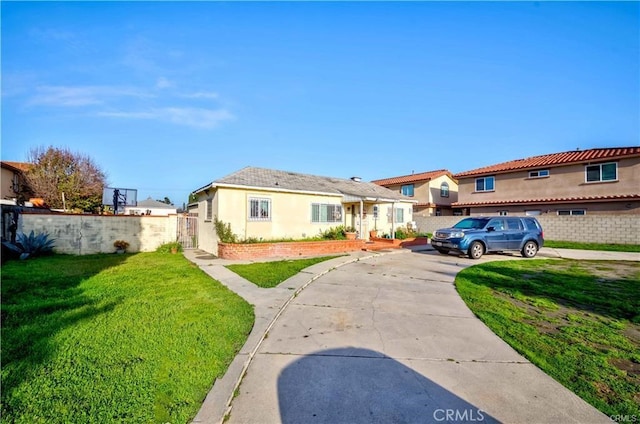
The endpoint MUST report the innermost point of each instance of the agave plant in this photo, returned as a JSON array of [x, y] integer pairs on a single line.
[[31, 245]]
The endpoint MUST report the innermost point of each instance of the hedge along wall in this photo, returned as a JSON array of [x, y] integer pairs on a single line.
[[618, 229], [88, 234], [287, 249]]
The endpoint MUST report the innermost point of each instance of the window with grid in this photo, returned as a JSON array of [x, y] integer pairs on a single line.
[[399, 215], [407, 190], [572, 212], [259, 209], [539, 173], [209, 210], [444, 190], [485, 184], [321, 212], [602, 172]]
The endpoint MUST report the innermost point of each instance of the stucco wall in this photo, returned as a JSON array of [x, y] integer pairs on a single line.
[[619, 229], [87, 234], [562, 182]]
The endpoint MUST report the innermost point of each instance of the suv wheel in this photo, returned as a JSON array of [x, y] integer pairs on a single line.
[[529, 249], [476, 250]]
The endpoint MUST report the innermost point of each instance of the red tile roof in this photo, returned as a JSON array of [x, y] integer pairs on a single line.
[[581, 199], [423, 176], [18, 166], [555, 159]]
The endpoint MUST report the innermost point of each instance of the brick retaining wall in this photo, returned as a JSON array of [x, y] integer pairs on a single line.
[[287, 249]]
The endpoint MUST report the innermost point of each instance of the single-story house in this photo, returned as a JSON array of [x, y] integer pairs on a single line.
[[150, 207], [434, 191], [580, 182], [270, 204]]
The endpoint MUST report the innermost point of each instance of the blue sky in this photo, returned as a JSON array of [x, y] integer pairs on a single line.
[[168, 96]]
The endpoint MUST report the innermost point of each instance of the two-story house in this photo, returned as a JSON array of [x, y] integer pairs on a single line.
[[14, 185], [434, 191], [580, 182]]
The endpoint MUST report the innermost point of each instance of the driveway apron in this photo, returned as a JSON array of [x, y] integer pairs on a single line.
[[387, 339]]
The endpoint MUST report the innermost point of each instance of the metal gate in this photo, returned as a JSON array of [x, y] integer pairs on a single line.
[[188, 230]]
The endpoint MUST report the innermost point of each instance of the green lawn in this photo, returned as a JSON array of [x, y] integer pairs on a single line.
[[579, 321], [592, 246], [114, 338], [270, 274]]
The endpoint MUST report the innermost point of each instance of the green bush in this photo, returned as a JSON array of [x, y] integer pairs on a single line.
[[168, 247], [334, 233], [224, 231]]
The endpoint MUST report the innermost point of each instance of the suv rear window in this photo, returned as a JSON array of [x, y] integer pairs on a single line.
[[531, 224]]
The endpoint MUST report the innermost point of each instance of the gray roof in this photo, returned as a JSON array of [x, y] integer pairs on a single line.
[[292, 181], [150, 203]]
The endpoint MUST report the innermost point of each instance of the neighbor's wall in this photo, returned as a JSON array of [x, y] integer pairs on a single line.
[[87, 234], [619, 229]]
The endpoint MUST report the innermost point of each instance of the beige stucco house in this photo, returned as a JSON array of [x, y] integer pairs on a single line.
[[580, 182], [269, 204], [14, 185], [433, 191]]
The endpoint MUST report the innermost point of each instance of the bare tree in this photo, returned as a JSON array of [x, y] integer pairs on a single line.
[[65, 179]]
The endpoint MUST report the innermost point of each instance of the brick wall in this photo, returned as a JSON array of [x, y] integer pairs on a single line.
[[618, 229], [287, 249]]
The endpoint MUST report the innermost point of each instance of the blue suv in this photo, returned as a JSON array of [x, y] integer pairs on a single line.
[[477, 236]]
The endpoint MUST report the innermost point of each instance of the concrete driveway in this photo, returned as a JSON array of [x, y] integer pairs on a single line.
[[379, 338]]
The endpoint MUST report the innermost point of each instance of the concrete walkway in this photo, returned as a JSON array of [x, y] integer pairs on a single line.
[[380, 337]]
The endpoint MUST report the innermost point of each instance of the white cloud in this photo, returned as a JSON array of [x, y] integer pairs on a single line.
[[80, 96], [202, 95], [162, 82], [191, 117]]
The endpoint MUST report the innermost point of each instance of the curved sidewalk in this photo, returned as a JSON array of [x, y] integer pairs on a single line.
[[379, 337]]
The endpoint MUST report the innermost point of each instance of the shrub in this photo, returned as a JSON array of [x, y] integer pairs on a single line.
[[120, 244], [169, 247], [224, 231], [333, 233], [31, 245]]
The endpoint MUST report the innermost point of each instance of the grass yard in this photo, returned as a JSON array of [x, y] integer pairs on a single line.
[[592, 246], [270, 274], [579, 321], [114, 338]]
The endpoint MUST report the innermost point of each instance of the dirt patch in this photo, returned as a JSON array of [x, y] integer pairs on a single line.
[[631, 368]]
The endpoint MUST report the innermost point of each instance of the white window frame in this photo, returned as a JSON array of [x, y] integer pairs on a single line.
[[398, 215], [599, 166], [409, 187], [208, 209], [571, 212], [540, 173], [444, 189], [336, 214], [259, 203], [484, 184]]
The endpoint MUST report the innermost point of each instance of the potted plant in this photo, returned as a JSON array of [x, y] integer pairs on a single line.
[[120, 246], [350, 233]]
